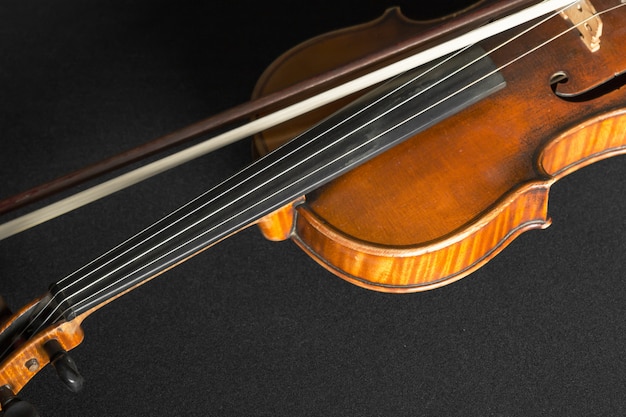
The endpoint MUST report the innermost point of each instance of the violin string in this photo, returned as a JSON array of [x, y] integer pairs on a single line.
[[163, 219], [505, 65], [324, 133], [239, 184], [311, 141], [266, 167], [51, 318], [85, 301], [246, 179], [221, 208], [512, 61]]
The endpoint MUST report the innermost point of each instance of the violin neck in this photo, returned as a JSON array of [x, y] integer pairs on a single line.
[[350, 137]]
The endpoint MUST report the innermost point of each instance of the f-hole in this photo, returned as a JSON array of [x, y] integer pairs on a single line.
[[612, 84]]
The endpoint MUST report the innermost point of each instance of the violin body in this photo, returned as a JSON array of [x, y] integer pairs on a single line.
[[263, 331], [439, 206]]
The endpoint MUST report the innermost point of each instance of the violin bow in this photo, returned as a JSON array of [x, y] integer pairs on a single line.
[[262, 123]]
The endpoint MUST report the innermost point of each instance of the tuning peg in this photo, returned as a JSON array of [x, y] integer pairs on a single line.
[[12, 406], [65, 366]]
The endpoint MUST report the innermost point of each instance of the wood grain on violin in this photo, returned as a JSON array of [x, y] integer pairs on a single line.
[[271, 335], [414, 221]]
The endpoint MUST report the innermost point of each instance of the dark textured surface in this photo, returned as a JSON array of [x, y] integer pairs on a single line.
[[254, 328]]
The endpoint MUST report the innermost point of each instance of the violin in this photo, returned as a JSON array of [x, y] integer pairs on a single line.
[[252, 328]]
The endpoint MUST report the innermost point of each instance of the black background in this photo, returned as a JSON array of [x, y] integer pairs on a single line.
[[254, 328]]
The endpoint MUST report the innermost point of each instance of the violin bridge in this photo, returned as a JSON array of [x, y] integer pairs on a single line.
[[584, 16]]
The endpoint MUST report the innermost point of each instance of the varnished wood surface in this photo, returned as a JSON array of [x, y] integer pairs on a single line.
[[438, 206], [255, 327]]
